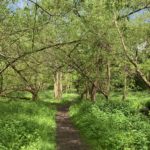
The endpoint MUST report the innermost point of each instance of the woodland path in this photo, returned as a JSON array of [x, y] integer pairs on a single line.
[[67, 136]]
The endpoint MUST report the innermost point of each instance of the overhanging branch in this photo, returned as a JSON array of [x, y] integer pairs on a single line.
[[39, 6], [132, 61], [36, 51], [147, 6]]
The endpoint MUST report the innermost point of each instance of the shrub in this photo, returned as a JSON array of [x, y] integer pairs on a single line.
[[112, 125]]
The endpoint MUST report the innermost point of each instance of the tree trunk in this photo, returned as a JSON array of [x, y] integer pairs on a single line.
[[142, 76], [87, 94], [67, 86], [87, 91], [33, 90], [1, 83], [94, 91], [133, 62], [34, 96], [125, 85], [108, 79], [58, 85], [148, 76]]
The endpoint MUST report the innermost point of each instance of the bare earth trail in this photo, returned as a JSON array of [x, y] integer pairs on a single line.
[[66, 135]]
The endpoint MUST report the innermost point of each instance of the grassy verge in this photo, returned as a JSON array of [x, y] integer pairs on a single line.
[[26, 125], [114, 125]]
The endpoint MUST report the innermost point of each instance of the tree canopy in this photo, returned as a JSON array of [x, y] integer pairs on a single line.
[[104, 44]]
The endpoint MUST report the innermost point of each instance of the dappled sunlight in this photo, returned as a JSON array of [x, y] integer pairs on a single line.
[[34, 123], [75, 74]]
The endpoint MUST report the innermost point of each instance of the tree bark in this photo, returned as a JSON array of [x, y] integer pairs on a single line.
[[58, 85], [86, 93], [1, 83], [94, 91], [87, 96], [34, 96], [125, 85], [108, 78], [142, 76]]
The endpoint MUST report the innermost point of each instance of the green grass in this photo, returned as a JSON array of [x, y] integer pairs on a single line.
[[68, 98], [114, 125], [27, 125]]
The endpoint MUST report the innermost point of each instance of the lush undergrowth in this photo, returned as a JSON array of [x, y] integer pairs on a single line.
[[27, 125], [114, 125], [69, 98]]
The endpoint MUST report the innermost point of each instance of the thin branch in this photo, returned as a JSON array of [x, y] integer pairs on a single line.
[[137, 10], [40, 27], [81, 70], [3, 56], [36, 51], [19, 73], [47, 12], [124, 45], [33, 32]]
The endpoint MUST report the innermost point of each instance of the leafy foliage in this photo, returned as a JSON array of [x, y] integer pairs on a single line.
[[27, 125], [114, 124], [89, 47]]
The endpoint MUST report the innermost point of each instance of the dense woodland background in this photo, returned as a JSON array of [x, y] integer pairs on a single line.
[[94, 51]]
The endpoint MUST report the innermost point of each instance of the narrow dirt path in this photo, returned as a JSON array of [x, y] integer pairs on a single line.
[[66, 135]]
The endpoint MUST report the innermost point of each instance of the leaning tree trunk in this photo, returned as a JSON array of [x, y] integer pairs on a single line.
[[142, 76], [58, 85], [133, 62]]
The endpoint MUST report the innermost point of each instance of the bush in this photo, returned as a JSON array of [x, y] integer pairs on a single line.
[[113, 125]]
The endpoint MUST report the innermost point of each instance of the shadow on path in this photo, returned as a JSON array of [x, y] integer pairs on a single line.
[[66, 135]]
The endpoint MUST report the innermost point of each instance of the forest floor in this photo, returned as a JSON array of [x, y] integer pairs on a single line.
[[68, 138]]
